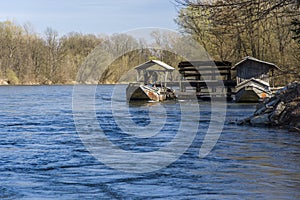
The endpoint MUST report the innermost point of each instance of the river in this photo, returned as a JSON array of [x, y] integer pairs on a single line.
[[44, 156]]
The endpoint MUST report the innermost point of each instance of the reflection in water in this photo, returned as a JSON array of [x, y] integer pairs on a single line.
[[142, 103]]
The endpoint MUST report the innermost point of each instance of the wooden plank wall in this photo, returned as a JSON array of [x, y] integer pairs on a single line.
[[207, 77]]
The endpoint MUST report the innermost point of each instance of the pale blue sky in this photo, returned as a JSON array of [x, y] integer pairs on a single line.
[[90, 16]]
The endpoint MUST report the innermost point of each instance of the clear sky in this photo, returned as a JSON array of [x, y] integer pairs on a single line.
[[90, 16]]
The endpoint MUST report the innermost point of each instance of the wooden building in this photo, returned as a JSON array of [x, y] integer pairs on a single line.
[[251, 67], [206, 79], [154, 71], [151, 82], [253, 79]]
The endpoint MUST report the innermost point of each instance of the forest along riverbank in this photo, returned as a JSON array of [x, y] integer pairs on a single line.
[[282, 110]]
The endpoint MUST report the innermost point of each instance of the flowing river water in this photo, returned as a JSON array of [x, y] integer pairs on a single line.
[[42, 156]]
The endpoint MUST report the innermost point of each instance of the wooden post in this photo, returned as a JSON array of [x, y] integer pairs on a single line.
[[138, 76], [166, 78], [213, 77], [229, 90], [145, 77], [273, 83]]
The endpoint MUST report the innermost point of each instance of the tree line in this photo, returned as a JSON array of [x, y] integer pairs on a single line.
[[30, 58], [232, 29], [227, 29]]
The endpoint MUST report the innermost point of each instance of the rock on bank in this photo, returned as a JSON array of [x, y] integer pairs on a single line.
[[282, 110]]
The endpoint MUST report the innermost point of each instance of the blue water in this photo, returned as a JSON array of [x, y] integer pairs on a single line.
[[42, 156]]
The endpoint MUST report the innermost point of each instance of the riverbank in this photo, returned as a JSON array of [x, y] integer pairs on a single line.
[[5, 82], [282, 110]]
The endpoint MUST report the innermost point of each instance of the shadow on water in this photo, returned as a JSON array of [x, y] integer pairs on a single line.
[[141, 103]]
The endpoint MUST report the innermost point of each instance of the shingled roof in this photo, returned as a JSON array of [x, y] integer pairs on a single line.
[[150, 63], [272, 65]]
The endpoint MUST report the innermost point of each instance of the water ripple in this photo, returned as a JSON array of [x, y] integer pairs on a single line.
[[42, 156]]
